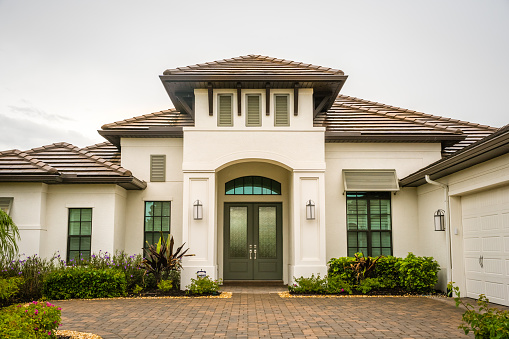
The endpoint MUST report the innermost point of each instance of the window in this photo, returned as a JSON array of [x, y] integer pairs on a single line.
[[158, 167], [225, 110], [253, 111], [252, 185], [157, 220], [281, 109], [369, 223], [80, 233], [6, 204]]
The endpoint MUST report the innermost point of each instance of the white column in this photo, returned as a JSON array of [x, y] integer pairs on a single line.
[[199, 235], [308, 242]]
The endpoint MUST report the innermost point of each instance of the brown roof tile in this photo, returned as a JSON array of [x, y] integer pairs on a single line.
[[106, 151], [166, 118], [71, 160], [350, 114], [253, 65], [15, 161]]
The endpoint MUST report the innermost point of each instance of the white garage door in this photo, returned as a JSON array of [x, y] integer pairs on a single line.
[[486, 244]]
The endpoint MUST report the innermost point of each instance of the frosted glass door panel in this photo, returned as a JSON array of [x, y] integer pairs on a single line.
[[267, 232], [238, 232]]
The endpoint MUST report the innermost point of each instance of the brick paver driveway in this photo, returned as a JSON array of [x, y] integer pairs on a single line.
[[263, 316]]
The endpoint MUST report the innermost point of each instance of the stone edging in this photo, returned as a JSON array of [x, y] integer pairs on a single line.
[[288, 295], [223, 295]]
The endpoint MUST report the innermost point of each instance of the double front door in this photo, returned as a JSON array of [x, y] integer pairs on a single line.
[[253, 241]]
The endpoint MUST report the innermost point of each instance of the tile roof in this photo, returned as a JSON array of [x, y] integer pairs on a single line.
[[354, 115], [253, 65], [105, 150], [165, 118], [72, 160], [16, 161]]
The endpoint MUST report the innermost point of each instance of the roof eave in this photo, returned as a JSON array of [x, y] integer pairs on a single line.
[[477, 153], [43, 178], [251, 77], [127, 182], [114, 135], [331, 137]]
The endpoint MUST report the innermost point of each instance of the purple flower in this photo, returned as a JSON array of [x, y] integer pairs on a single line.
[[36, 312]]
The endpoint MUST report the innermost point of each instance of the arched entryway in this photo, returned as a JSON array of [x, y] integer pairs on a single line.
[[253, 202]]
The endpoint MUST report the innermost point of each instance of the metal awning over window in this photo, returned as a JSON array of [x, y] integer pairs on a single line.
[[5, 204], [359, 180]]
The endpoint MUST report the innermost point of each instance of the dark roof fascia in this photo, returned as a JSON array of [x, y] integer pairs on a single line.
[[252, 77], [387, 137], [114, 135], [486, 149], [128, 182], [44, 178]]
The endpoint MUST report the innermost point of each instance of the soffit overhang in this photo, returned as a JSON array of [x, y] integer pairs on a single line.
[[114, 135], [492, 146]]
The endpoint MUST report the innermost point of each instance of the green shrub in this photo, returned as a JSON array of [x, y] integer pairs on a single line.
[[370, 284], [418, 274], [486, 322], [137, 289], [336, 285], [340, 267], [386, 269], [312, 284], [37, 320], [84, 283], [9, 287], [165, 285], [202, 286]]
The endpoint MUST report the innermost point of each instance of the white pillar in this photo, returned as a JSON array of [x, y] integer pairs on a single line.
[[200, 236], [308, 236]]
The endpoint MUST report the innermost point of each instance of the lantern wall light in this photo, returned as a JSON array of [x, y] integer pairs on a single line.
[[197, 210], [440, 220], [310, 210]]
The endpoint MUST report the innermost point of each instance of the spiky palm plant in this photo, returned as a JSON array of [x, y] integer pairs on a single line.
[[9, 236]]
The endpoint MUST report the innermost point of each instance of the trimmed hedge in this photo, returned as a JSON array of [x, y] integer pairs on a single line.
[[84, 283]]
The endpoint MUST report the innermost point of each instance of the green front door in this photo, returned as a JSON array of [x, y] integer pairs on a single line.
[[253, 241]]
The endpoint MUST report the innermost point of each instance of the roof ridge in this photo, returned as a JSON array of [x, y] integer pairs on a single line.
[[395, 116], [139, 117], [108, 164], [257, 57], [438, 117], [34, 161]]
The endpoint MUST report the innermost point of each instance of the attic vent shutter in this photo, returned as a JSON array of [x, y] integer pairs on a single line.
[[157, 167], [253, 115], [5, 204], [281, 110], [370, 180], [225, 116]]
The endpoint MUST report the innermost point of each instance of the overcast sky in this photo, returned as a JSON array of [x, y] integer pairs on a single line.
[[67, 67]]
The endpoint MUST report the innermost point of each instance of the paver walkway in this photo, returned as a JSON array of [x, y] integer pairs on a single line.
[[266, 315]]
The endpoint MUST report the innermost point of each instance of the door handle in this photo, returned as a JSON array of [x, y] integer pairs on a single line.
[[250, 251], [255, 251], [481, 261]]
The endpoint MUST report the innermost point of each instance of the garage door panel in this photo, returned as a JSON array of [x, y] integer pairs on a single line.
[[485, 219], [495, 292], [492, 244], [472, 265], [472, 245], [490, 222], [494, 266]]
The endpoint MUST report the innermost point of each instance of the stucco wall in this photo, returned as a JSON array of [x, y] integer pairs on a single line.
[[136, 157], [405, 158]]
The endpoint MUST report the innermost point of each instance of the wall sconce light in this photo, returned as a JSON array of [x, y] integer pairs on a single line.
[[310, 210], [197, 210], [440, 220]]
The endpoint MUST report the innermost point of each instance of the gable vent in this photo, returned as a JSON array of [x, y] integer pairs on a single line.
[[370, 180], [158, 167], [225, 116], [253, 115], [5, 204], [281, 110]]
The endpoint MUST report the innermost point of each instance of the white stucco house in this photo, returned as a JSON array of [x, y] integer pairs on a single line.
[[267, 171]]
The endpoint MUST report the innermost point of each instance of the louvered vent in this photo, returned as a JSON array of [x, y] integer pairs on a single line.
[[5, 204], [225, 116], [253, 116], [158, 167], [370, 180], [281, 110]]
